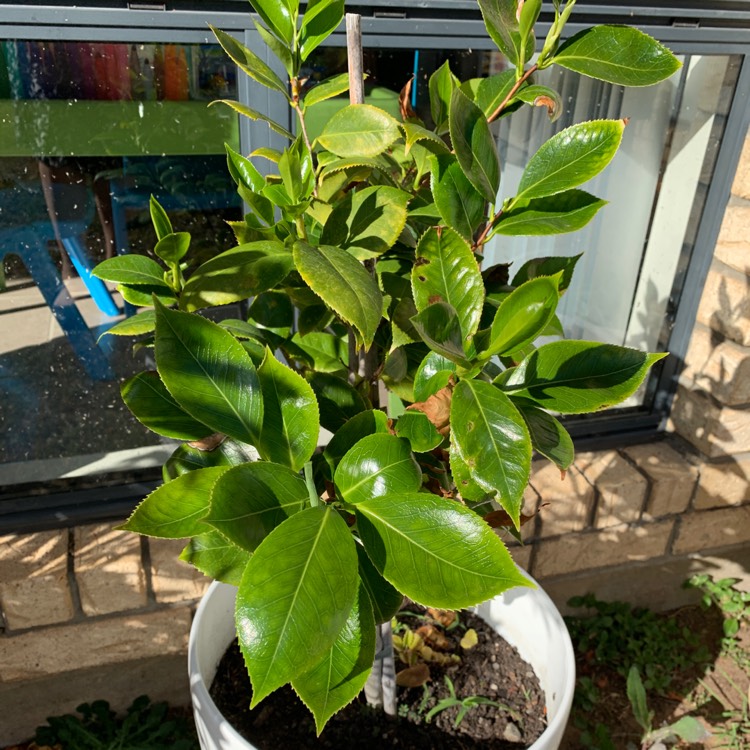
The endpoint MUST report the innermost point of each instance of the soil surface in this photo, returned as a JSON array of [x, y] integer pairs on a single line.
[[492, 669]]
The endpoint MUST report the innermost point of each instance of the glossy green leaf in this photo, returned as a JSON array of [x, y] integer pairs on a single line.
[[338, 401], [441, 85], [291, 423], [617, 54], [502, 24], [384, 598], [216, 557], [460, 206], [135, 325], [548, 436], [279, 16], [236, 274], [254, 115], [446, 270], [320, 20], [570, 158], [359, 130], [175, 509], [419, 431], [492, 439], [172, 247], [522, 316], [440, 328], [415, 133], [153, 406], [295, 596], [208, 373], [377, 465], [327, 352], [555, 214], [341, 674], [142, 295], [550, 266], [327, 89], [251, 500], [433, 373], [249, 62], [278, 47], [528, 13], [489, 93], [131, 269], [465, 484], [436, 551], [296, 171], [243, 171], [186, 458], [474, 145], [367, 222], [575, 377], [359, 426], [159, 219], [343, 284]]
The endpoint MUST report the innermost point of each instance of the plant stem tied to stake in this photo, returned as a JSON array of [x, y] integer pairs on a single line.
[[380, 689]]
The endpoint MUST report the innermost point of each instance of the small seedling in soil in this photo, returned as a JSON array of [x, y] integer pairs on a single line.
[[734, 731], [145, 726], [686, 728], [464, 705]]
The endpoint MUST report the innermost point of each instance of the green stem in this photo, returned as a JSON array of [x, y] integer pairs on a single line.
[[311, 490], [517, 85]]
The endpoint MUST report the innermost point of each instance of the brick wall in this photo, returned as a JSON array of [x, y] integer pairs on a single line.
[[92, 613]]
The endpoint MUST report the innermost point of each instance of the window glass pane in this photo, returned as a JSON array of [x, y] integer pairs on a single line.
[[622, 291], [88, 131]]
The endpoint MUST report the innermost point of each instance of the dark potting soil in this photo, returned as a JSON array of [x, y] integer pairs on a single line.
[[492, 669]]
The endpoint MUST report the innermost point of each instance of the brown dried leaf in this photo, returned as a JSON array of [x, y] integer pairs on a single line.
[[210, 443], [445, 617], [404, 101], [412, 677], [438, 409], [434, 637]]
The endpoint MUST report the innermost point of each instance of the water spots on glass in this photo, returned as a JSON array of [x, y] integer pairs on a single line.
[[88, 131]]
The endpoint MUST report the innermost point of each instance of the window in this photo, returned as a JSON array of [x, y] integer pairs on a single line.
[[101, 107]]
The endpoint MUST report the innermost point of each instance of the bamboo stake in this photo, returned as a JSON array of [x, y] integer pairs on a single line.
[[380, 689]]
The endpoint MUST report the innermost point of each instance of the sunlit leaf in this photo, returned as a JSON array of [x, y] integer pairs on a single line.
[[251, 500], [377, 465], [436, 551], [289, 613], [359, 130], [175, 509], [575, 377], [617, 54], [492, 439], [208, 373], [341, 674]]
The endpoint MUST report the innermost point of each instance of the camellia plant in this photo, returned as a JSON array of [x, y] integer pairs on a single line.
[[361, 253]]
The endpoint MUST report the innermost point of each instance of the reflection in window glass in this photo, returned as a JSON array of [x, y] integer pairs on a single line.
[[88, 132]]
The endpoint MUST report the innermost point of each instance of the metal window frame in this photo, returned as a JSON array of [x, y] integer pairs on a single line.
[[688, 27]]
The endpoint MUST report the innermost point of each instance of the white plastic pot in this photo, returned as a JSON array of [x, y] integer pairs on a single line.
[[527, 618]]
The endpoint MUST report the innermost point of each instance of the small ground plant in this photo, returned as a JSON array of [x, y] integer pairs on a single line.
[[621, 636], [145, 726]]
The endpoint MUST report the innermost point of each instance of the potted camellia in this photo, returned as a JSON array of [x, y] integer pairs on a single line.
[[372, 318]]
